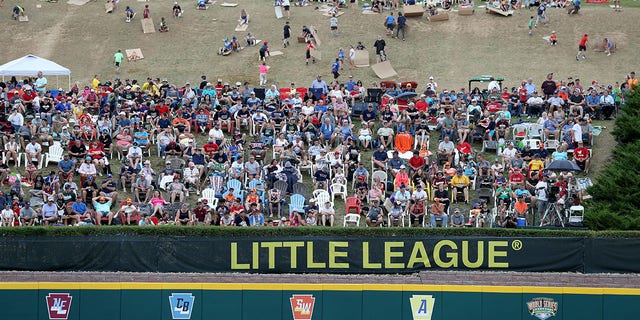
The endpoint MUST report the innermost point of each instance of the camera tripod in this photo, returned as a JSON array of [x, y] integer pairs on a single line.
[[552, 215]]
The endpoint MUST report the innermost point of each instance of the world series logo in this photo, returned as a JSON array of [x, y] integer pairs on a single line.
[[542, 308], [181, 305]]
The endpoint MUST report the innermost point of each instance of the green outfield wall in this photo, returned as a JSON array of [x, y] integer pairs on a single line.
[[140, 301]]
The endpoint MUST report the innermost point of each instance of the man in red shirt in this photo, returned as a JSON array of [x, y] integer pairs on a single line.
[[416, 162], [28, 96], [582, 47], [164, 107], [210, 148], [516, 177], [421, 104], [581, 156]]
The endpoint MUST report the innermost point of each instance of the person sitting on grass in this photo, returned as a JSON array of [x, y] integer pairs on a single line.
[[129, 13], [163, 25]]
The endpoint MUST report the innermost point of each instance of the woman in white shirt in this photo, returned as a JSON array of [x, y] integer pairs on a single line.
[[364, 135]]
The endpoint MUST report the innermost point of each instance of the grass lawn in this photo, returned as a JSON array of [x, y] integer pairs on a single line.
[[84, 39]]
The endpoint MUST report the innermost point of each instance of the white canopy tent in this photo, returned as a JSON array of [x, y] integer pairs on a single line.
[[29, 65]]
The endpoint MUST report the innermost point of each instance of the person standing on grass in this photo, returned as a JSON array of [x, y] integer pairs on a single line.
[[335, 69], [341, 58], [117, 59], [286, 4], [582, 47], [145, 12], [264, 51], [333, 23], [532, 23], [380, 46], [263, 73], [352, 57], [308, 52], [402, 22], [286, 34], [390, 23]]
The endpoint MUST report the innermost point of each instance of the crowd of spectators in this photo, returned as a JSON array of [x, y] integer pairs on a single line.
[[138, 152]]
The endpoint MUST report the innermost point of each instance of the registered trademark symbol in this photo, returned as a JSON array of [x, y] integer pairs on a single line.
[[516, 245]]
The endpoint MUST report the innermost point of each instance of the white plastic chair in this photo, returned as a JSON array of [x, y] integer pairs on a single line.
[[338, 188], [5, 159], [351, 218], [54, 154], [532, 143], [535, 131], [382, 175], [210, 195], [576, 214], [322, 198], [551, 144]]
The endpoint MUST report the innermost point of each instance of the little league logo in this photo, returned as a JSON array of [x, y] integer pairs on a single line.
[[302, 306], [542, 308], [58, 305], [181, 305], [422, 306]]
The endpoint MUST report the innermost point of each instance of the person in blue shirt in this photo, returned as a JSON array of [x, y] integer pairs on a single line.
[[326, 131], [402, 21], [380, 158], [77, 209], [335, 68], [319, 84], [390, 23]]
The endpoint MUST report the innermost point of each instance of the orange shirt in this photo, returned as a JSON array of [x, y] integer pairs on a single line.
[[520, 207], [404, 142]]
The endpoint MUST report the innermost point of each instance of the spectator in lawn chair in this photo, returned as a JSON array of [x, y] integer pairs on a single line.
[[78, 151], [385, 135], [438, 211], [375, 215], [441, 194], [102, 206], [184, 216], [380, 158], [177, 190], [445, 148]]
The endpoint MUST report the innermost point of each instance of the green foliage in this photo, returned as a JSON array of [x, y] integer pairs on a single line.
[[616, 193], [235, 232], [627, 128]]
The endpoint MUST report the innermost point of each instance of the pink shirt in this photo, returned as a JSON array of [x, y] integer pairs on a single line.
[[263, 69], [156, 201]]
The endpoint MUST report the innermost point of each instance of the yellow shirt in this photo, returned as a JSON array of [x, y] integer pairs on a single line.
[[95, 83], [459, 180], [536, 165]]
